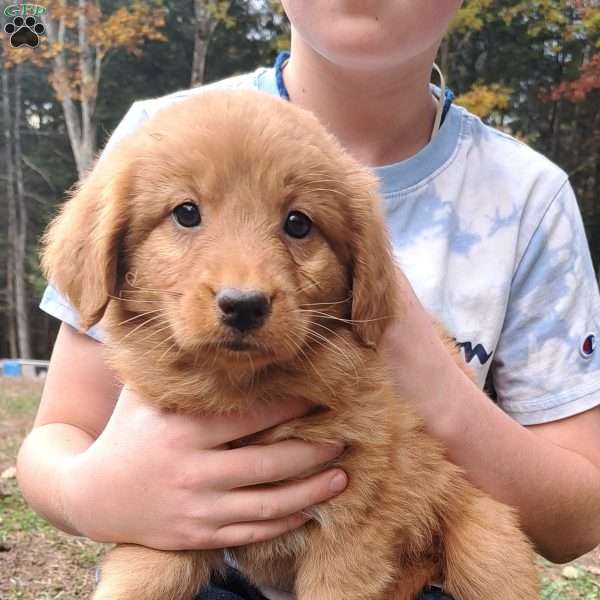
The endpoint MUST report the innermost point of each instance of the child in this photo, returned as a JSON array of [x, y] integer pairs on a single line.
[[489, 235]]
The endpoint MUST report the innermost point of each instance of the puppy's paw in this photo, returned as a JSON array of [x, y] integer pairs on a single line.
[[134, 573]]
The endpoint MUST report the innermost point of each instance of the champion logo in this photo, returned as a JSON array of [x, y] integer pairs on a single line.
[[588, 345], [474, 351]]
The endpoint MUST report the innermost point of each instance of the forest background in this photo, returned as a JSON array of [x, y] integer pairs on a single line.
[[531, 68]]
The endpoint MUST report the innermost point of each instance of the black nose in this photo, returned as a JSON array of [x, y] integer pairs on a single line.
[[243, 309]]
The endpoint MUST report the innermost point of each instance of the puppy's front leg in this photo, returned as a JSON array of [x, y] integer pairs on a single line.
[[486, 554], [355, 564], [135, 573]]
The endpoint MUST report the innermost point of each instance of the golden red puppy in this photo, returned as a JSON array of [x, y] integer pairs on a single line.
[[237, 256]]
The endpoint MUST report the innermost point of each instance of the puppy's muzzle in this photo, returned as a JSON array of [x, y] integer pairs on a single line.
[[243, 309]]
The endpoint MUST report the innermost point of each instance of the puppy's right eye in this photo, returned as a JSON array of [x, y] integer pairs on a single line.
[[297, 224], [187, 215]]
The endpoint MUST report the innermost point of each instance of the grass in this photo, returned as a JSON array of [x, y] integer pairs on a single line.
[[16, 405], [585, 586], [38, 562], [15, 516]]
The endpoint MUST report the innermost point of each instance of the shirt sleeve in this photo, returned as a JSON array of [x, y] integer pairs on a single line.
[[547, 366], [53, 302]]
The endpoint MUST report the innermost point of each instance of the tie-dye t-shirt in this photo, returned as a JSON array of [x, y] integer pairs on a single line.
[[489, 233]]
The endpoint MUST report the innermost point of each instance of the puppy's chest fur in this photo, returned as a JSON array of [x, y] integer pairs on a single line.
[[387, 456]]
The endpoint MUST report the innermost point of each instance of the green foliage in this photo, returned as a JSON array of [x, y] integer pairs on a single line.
[[472, 16], [21, 404], [585, 587], [483, 100], [15, 516]]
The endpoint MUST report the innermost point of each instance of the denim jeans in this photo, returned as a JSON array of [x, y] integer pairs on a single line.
[[236, 588]]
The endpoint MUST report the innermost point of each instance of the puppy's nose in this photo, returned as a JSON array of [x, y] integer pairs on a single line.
[[243, 309]]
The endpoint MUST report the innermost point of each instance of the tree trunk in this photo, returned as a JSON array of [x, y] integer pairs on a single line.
[[557, 110], [205, 23], [80, 126], [20, 251], [12, 216], [89, 89]]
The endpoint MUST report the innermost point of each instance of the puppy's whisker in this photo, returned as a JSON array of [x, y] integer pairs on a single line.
[[153, 349], [350, 321], [150, 320], [312, 366], [153, 333], [334, 334], [295, 345], [121, 299], [319, 342], [138, 288], [160, 342], [303, 289], [144, 301], [326, 303], [305, 274], [352, 356], [171, 297], [318, 336], [144, 314], [171, 337]]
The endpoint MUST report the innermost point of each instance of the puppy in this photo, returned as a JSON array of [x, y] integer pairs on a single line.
[[237, 256]]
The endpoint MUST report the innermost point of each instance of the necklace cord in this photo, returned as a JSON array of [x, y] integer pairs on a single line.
[[445, 99]]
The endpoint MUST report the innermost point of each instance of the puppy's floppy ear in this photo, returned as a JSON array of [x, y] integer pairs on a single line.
[[80, 248], [374, 286]]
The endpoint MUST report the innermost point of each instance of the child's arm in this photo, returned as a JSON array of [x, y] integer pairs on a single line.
[[550, 472], [123, 472]]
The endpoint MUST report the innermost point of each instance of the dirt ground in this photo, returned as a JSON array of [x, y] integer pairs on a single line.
[[38, 562]]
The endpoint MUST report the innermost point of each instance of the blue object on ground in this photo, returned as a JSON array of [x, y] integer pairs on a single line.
[[11, 368]]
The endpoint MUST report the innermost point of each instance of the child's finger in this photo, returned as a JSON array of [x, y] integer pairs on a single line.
[[274, 503], [241, 534], [253, 465]]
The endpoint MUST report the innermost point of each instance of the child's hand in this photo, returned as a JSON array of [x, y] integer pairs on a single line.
[[169, 481]]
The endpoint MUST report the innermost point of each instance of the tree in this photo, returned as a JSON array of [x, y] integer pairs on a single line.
[[17, 222], [81, 37], [207, 15]]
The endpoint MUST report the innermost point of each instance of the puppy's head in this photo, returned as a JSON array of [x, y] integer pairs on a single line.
[[230, 226]]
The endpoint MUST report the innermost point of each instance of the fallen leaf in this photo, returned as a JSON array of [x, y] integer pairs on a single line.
[[9, 473], [570, 572]]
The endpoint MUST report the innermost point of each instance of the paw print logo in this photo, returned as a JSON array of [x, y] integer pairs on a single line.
[[24, 32]]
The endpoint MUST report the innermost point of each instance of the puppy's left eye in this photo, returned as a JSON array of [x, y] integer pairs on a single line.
[[187, 215], [297, 224]]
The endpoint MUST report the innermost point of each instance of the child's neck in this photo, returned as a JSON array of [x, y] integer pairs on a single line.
[[379, 117]]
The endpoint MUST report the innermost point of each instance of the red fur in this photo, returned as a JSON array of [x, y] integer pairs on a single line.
[[408, 515]]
